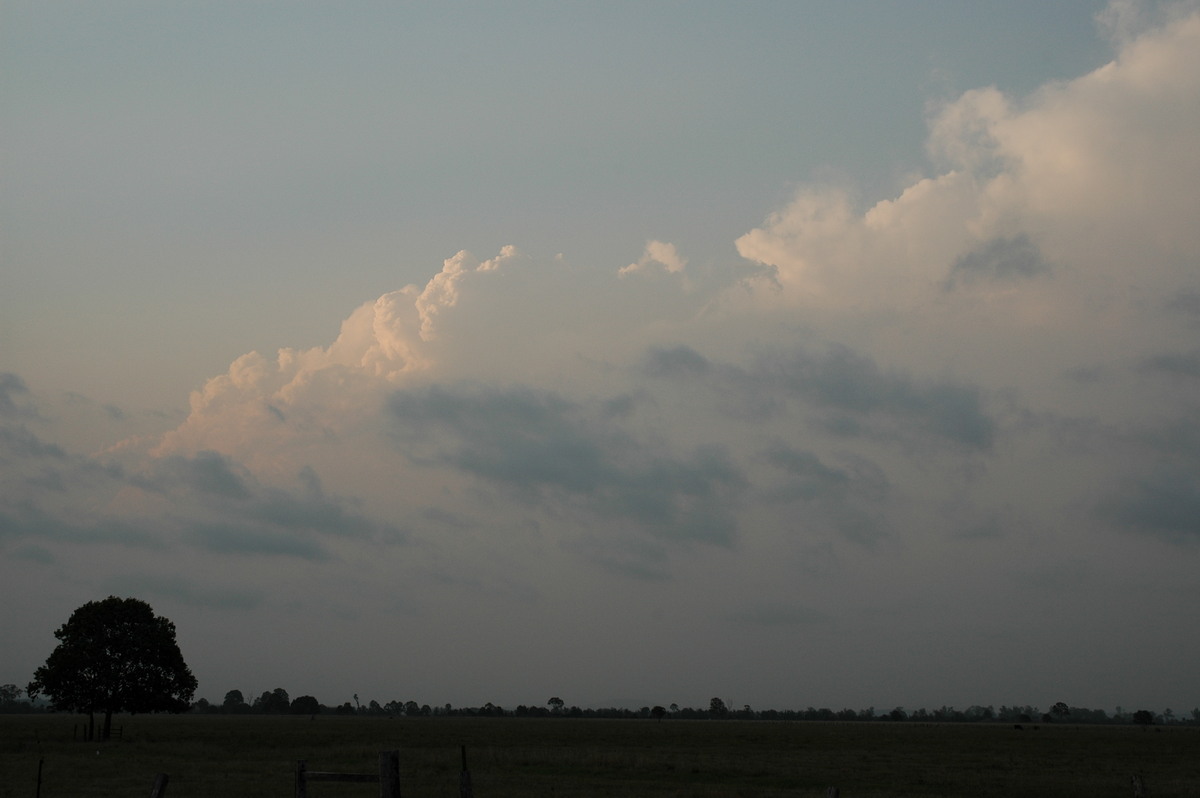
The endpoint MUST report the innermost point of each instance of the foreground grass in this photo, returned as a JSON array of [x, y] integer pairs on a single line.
[[214, 755]]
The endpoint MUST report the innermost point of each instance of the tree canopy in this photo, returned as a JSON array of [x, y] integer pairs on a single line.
[[115, 655]]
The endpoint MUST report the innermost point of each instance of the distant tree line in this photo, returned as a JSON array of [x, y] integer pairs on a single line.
[[116, 655], [277, 702]]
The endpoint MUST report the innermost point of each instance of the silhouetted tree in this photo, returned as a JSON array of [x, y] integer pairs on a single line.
[[234, 702], [9, 699], [658, 712], [1060, 710], [305, 705], [556, 704], [115, 655], [273, 702], [717, 708], [1143, 717]]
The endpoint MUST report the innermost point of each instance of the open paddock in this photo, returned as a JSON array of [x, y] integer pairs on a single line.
[[234, 756]]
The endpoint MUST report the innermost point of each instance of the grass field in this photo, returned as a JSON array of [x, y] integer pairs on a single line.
[[228, 757]]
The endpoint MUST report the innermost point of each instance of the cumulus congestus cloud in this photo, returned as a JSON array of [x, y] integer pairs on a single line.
[[876, 333]]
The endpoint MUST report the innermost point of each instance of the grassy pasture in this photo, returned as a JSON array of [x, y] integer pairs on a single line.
[[233, 756]]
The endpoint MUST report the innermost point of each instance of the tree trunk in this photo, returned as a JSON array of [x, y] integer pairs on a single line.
[[91, 732], [107, 723]]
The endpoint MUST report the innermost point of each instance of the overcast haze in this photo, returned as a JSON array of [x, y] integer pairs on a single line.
[[831, 354]]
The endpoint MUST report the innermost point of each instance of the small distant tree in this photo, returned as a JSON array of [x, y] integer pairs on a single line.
[[10, 701], [234, 702], [658, 712], [717, 708], [115, 655], [1060, 710], [556, 704], [1143, 717], [273, 702], [305, 705]]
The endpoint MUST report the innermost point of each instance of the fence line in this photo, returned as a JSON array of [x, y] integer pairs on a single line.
[[90, 733], [388, 777]]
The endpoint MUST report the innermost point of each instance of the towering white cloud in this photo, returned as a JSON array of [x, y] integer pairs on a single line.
[[443, 290], [260, 404], [1062, 216]]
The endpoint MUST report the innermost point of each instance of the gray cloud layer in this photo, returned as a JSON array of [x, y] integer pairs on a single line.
[[541, 448]]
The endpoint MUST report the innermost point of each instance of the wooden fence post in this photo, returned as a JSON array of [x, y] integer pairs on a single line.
[[301, 789], [389, 774], [160, 786], [464, 778]]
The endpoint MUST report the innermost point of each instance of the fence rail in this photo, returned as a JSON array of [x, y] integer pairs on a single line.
[[388, 776]]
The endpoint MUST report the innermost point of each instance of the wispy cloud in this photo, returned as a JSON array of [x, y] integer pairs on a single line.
[[545, 448], [999, 259], [843, 381], [1165, 503], [12, 389]]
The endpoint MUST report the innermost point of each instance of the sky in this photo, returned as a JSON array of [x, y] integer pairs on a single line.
[[793, 353]]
